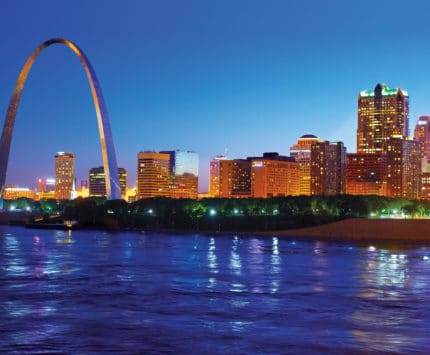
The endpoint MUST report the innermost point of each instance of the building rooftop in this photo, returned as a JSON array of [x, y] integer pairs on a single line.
[[308, 135], [386, 91]]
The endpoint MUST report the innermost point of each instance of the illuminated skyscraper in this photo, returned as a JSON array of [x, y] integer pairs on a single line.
[[153, 175], [184, 172], [382, 113], [64, 175], [301, 152], [98, 185], [328, 168], [274, 175], [403, 168], [230, 178]]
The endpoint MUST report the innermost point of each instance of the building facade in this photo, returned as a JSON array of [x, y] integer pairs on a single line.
[[382, 113], [366, 174], [274, 175], [301, 152], [13, 192], [328, 168], [184, 172], [97, 181], [214, 175], [422, 136], [45, 185], [230, 178], [403, 168], [153, 175], [64, 175]]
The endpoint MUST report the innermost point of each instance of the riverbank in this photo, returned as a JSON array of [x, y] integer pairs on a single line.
[[364, 229]]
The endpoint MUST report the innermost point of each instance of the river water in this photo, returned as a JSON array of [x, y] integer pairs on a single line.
[[134, 292]]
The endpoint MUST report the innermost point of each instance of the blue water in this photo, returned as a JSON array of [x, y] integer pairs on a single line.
[[132, 292]]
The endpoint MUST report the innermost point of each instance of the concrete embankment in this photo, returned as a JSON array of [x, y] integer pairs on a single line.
[[365, 229]]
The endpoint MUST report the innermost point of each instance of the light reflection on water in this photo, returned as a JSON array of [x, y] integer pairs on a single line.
[[131, 292]]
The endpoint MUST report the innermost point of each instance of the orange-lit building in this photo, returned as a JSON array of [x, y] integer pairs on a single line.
[[274, 175], [214, 176], [366, 174], [184, 186], [382, 113], [301, 152], [230, 178], [184, 173], [403, 168], [328, 168], [64, 175], [12, 192], [152, 175]]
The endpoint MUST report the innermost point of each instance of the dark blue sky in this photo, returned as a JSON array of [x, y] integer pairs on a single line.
[[249, 76]]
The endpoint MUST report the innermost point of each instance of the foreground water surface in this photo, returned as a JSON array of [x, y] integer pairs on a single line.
[[131, 292]]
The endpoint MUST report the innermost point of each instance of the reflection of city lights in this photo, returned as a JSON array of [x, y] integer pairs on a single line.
[[372, 248], [425, 257]]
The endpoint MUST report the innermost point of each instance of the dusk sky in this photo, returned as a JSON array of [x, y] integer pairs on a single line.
[[243, 76]]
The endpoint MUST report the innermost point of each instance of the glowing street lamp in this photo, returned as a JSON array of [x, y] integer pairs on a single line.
[[212, 212]]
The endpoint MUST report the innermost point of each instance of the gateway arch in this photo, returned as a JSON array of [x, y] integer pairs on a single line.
[[113, 190]]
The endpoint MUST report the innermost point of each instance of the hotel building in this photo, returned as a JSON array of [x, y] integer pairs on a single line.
[[382, 113], [230, 178], [366, 174], [274, 175], [403, 168], [328, 168], [64, 175], [301, 152], [153, 175]]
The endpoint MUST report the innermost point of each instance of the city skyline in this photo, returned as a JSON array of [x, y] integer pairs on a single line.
[[226, 79]]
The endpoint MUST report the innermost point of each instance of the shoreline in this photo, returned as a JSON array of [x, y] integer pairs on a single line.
[[354, 229], [363, 229]]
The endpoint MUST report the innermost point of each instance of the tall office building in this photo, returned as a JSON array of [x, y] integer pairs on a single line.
[[328, 168], [422, 135], [214, 175], [274, 175], [184, 172], [230, 178], [98, 184], [153, 175], [301, 152], [366, 174], [64, 175], [382, 113], [403, 168]]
